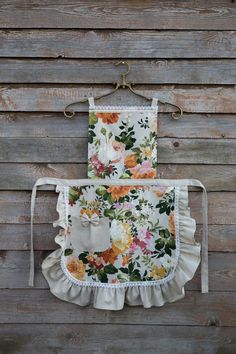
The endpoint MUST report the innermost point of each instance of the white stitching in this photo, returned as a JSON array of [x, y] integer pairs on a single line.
[[176, 216]]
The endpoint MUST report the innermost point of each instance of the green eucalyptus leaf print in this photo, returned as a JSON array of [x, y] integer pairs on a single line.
[[91, 135], [74, 195], [68, 251], [103, 131], [92, 119], [101, 190], [83, 257], [143, 123], [102, 276], [166, 205], [110, 269]]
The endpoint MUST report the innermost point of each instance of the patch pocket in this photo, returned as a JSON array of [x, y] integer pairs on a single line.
[[90, 234]]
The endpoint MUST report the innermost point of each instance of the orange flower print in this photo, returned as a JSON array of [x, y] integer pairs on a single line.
[[118, 191], [89, 212], [77, 268], [145, 170], [160, 191], [110, 255], [116, 250], [130, 161], [149, 174], [108, 118], [171, 224], [126, 259]]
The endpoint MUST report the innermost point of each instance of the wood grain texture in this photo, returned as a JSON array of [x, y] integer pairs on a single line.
[[31, 98], [156, 71], [51, 125], [73, 150], [117, 44], [200, 14], [53, 53], [22, 176], [14, 271], [47, 338], [17, 237], [39, 306], [15, 207]]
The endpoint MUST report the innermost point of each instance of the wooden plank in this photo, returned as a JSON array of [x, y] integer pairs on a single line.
[[54, 98], [214, 177], [43, 150], [57, 71], [117, 44], [17, 237], [21, 125], [213, 14], [197, 126], [132, 339], [19, 176], [221, 271], [221, 207], [196, 309], [14, 271], [15, 207], [170, 150], [36, 125], [43, 68], [202, 151], [221, 237]]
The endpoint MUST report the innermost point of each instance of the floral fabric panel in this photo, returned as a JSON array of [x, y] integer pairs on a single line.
[[120, 234], [122, 144]]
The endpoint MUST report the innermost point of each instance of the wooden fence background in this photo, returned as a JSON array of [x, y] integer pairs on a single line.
[[55, 52]]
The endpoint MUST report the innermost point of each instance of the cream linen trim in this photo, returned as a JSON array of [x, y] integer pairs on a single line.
[[97, 108]]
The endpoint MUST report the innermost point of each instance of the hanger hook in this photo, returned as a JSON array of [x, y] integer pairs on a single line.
[[69, 114], [124, 63], [177, 115]]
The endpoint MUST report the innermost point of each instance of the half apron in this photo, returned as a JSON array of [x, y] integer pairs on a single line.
[[123, 241]]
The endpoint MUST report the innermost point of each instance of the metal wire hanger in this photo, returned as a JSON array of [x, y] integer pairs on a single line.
[[123, 84]]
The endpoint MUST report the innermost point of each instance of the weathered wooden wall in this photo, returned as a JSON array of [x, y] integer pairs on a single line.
[[55, 52]]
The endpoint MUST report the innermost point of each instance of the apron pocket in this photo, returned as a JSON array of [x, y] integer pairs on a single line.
[[90, 236]]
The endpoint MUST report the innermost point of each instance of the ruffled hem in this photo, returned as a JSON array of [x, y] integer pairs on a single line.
[[114, 298], [61, 207]]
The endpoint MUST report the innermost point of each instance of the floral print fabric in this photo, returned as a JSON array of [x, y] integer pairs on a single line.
[[122, 143], [140, 243]]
